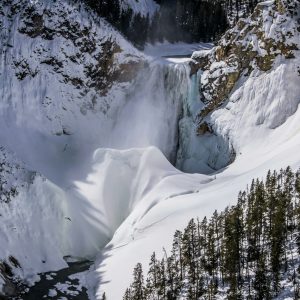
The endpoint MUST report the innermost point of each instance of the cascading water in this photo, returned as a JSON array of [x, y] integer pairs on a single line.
[[159, 110], [152, 110]]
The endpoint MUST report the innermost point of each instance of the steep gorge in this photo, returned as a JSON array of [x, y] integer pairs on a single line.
[[71, 84], [81, 109]]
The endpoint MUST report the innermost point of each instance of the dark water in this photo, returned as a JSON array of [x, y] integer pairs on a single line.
[[71, 287]]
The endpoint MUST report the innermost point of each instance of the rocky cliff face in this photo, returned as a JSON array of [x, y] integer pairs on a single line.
[[271, 32], [73, 56], [14, 179], [251, 76], [21, 203], [63, 74]]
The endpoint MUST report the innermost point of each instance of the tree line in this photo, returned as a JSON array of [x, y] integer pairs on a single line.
[[246, 251], [175, 20]]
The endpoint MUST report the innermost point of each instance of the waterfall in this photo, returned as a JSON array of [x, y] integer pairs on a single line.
[[160, 109], [152, 109], [188, 140]]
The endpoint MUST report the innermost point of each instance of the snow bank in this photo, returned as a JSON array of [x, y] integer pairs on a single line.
[[177, 197], [32, 219]]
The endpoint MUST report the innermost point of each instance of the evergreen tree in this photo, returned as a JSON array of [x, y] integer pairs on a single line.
[[247, 249], [153, 278], [137, 286], [127, 295], [261, 282]]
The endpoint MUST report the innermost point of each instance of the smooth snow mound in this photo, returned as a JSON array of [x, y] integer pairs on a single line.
[[169, 203], [119, 179]]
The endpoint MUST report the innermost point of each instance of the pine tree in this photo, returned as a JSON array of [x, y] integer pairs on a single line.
[[162, 280], [177, 252], [261, 282], [137, 286], [232, 240], [257, 236], [153, 278], [127, 295]]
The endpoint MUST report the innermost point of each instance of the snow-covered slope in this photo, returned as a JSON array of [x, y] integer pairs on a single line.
[[70, 84], [250, 97], [33, 215], [58, 66]]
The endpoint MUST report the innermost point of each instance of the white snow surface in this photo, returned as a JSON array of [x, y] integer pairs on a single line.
[[110, 184], [261, 119], [169, 204]]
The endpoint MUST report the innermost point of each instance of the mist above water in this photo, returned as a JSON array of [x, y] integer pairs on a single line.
[[152, 110]]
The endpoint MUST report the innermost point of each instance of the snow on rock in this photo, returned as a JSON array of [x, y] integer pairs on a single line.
[[249, 82], [269, 35], [254, 114], [32, 218], [72, 57], [143, 7]]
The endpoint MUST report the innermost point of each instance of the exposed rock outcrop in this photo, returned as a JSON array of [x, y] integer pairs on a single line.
[[253, 44], [248, 80], [9, 282], [74, 56]]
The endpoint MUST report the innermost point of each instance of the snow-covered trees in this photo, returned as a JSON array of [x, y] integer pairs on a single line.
[[137, 288], [244, 252]]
